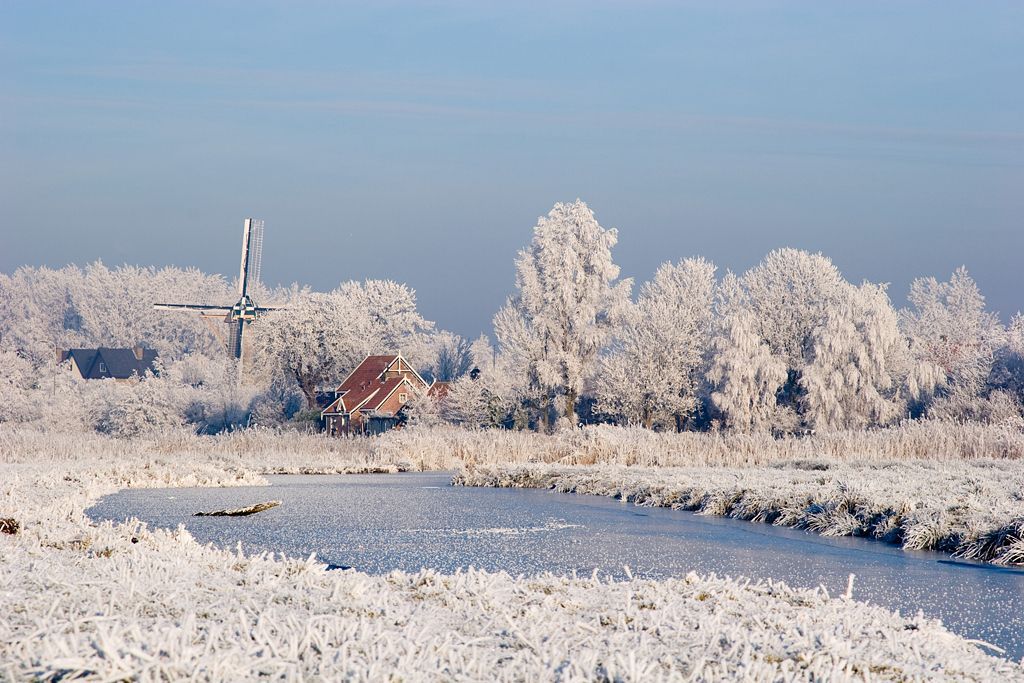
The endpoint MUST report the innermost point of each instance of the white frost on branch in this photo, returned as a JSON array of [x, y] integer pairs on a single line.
[[858, 361], [567, 302], [652, 373]]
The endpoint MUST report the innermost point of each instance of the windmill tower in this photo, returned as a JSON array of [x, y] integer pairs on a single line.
[[239, 316]]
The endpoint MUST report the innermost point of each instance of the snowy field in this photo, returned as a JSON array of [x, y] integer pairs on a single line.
[[118, 601]]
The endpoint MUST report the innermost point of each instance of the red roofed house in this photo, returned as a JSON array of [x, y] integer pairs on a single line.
[[372, 396]]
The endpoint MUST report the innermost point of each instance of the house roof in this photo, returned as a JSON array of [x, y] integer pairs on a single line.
[[116, 363], [364, 382], [439, 390], [364, 389]]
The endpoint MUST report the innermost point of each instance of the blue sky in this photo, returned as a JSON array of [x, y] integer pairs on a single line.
[[420, 142]]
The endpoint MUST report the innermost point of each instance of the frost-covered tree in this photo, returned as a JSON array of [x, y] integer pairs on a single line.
[[567, 300], [452, 357], [395, 323], [844, 357], [1008, 370], [315, 342], [215, 401], [491, 394], [653, 370], [789, 295], [41, 308], [19, 380], [36, 313], [858, 362], [520, 348], [953, 338], [745, 376], [320, 338]]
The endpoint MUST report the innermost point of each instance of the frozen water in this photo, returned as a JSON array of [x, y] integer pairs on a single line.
[[377, 523]]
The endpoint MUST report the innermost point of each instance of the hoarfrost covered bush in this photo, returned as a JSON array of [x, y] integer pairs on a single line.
[[490, 395], [18, 381], [950, 331], [198, 391], [127, 409]]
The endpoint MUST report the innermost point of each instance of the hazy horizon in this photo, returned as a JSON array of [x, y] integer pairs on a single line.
[[420, 143]]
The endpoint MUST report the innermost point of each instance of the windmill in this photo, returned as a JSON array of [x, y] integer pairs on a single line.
[[245, 311]]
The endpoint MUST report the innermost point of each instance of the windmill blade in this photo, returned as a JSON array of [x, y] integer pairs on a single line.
[[202, 308], [243, 269], [255, 254], [252, 254]]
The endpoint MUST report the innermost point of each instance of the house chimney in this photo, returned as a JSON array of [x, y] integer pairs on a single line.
[[138, 351]]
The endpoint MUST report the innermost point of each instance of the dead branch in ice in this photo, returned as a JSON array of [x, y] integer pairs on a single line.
[[240, 512]]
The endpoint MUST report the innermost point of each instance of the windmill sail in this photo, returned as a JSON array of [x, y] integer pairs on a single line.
[[202, 309], [252, 254], [255, 253]]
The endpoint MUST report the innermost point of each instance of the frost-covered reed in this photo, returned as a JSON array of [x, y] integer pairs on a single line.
[[121, 601], [450, 447], [443, 447]]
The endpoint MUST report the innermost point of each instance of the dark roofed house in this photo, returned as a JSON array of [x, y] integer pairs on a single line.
[[372, 397], [106, 363]]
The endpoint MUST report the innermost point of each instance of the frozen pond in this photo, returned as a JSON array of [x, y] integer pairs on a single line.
[[377, 523]]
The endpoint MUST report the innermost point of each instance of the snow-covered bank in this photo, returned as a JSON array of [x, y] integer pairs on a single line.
[[974, 509], [122, 601]]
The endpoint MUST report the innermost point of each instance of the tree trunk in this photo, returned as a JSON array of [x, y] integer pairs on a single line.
[[570, 405], [308, 388], [648, 418], [545, 414]]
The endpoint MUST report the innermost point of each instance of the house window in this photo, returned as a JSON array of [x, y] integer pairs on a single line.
[[402, 398], [103, 367]]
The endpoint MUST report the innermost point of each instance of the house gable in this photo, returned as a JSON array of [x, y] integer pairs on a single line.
[[400, 367]]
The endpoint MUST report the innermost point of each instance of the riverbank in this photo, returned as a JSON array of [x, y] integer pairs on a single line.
[[123, 601], [971, 509]]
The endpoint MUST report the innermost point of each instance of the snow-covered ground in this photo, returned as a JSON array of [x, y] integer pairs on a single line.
[[117, 601], [974, 509]]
